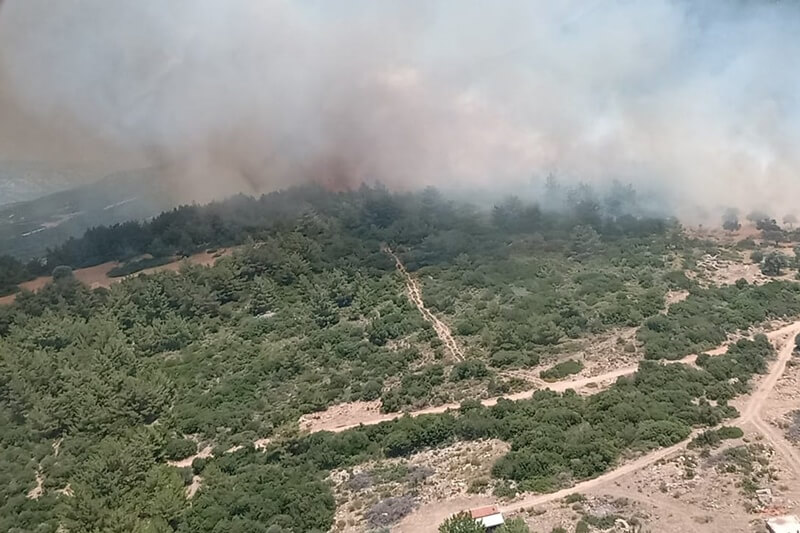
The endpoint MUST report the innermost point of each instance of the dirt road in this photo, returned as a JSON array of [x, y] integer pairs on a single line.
[[349, 419], [368, 418], [584, 486], [784, 337], [415, 295]]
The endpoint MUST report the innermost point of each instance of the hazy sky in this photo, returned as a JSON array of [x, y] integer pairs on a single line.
[[699, 98]]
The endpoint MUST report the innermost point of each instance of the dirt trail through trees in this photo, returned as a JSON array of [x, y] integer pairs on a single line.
[[368, 413], [415, 295]]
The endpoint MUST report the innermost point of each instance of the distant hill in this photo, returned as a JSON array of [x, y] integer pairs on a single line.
[[28, 228], [22, 181]]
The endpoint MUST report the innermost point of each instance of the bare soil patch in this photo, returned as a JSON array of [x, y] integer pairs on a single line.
[[620, 514], [201, 259], [422, 480], [36, 492], [612, 354], [344, 415], [194, 486], [261, 444], [674, 297], [96, 276], [184, 463], [717, 234], [695, 490], [715, 489], [426, 518], [715, 270]]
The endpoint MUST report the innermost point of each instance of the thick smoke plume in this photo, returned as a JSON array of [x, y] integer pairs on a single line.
[[695, 100]]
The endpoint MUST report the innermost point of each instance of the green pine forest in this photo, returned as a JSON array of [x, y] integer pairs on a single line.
[[100, 388]]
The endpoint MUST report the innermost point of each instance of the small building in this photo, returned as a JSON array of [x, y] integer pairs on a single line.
[[489, 517], [784, 524]]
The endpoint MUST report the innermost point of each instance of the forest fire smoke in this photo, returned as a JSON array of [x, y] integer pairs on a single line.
[[694, 100]]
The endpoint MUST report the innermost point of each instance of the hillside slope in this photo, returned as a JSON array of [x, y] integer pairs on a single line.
[[28, 228]]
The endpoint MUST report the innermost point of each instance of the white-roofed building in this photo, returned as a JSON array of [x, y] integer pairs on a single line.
[[784, 524], [489, 517]]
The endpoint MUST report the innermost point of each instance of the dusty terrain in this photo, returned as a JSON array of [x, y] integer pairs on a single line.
[[603, 354], [717, 234], [674, 297], [778, 453], [716, 488], [714, 270], [421, 479], [36, 492], [346, 416], [194, 486]]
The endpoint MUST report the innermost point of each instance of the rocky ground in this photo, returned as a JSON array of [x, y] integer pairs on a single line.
[[380, 493]]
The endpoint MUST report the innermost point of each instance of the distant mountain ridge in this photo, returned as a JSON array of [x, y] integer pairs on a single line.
[[22, 181], [28, 228]]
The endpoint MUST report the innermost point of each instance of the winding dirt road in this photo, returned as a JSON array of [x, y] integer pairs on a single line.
[[415, 295], [784, 338], [372, 417]]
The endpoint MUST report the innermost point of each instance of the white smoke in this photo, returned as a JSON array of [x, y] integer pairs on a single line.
[[698, 99]]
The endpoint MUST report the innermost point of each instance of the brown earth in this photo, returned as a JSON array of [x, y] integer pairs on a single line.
[[428, 517], [717, 271], [36, 492], [687, 492], [193, 487], [674, 297], [183, 463], [428, 476]]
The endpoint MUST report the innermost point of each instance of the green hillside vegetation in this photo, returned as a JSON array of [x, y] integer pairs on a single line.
[[309, 312], [705, 318]]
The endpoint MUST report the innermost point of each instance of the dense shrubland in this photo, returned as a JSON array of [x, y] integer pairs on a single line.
[[556, 438], [308, 312], [705, 318]]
